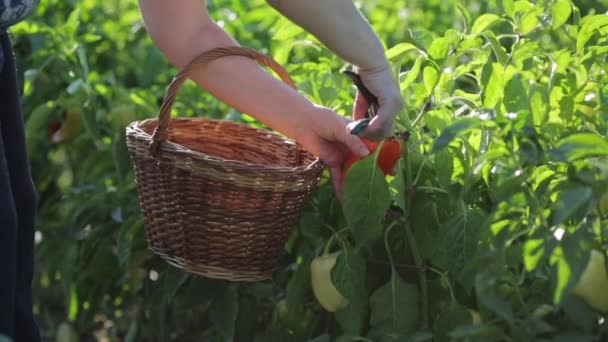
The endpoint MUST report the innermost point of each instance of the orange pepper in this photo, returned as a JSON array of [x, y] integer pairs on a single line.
[[387, 158]]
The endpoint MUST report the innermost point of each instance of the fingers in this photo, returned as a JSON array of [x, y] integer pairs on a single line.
[[381, 83], [383, 124], [353, 143]]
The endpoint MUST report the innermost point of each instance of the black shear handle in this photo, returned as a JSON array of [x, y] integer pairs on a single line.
[[371, 99]]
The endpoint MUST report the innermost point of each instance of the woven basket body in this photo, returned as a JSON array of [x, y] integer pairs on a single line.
[[219, 198]]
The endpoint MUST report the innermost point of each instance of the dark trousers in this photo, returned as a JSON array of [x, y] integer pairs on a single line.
[[17, 210]]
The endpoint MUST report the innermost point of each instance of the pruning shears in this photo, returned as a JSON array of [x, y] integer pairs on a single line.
[[358, 126]]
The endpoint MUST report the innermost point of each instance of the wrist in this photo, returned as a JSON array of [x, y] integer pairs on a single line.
[[378, 65], [303, 122]]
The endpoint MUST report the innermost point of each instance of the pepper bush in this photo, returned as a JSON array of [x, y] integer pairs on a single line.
[[484, 233]]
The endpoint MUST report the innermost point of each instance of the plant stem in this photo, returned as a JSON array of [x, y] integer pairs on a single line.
[[412, 243], [423, 110], [330, 242], [452, 296], [422, 270], [431, 188]]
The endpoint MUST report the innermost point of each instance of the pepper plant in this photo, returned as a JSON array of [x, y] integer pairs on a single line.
[[492, 227]]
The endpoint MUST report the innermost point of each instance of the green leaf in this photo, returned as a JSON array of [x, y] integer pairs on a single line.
[[580, 145], [499, 51], [485, 287], [281, 56], [133, 332], [563, 273], [560, 13], [515, 97], [394, 308], [590, 25], [569, 201], [73, 304], [246, 322], [366, 199], [444, 167], [349, 278], [412, 74], [492, 84], [465, 14], [311, 225], [529, 22], [399, 50], [476, 333], [297, 288], [534, 251], [351, 319], [454, 316], [224, 311], [69, 264], [430, 74], [539, 104], [321, 338], [397, 187], [576, 244], [508, 6], [120, 154], [458, 240], [173, 280], [484, 21], [456, 129], [439, 48], [287, 31], [422, 37]]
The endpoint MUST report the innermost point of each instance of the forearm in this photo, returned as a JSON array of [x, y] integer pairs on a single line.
[[183, 30], [340, 26]]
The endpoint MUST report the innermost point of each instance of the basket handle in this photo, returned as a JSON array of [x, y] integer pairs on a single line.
[[160, 132]]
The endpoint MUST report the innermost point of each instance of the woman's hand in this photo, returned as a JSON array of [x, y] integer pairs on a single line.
[[324, 134], [381, 83]]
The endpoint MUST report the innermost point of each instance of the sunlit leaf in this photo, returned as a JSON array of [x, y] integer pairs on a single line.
[[366, 199], [484, 21], [456, 129], [560, 13], [399, 49], [580, 145], [492, 82]]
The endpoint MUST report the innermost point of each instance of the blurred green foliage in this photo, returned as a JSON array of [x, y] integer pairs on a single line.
[[93, 61]]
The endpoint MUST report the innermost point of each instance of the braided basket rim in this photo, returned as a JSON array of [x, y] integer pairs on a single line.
[[136, 132]]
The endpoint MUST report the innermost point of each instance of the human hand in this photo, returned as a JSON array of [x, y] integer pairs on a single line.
[[380, 82], [324, 134]]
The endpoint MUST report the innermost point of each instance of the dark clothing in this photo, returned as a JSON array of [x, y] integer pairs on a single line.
[[13, 11], [18, 201]]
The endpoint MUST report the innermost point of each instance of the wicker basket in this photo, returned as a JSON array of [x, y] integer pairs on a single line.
[[219, 198]]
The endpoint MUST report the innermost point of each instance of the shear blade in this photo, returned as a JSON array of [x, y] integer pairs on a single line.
[[358, 126]]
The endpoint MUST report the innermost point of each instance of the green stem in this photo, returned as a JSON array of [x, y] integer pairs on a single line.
[[452, 296], [421, 114], [413, 247], [422, 270], [431, 188], [419, 171], [386, 245], [330, 242]]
